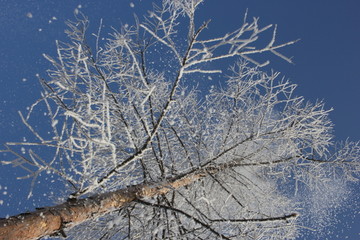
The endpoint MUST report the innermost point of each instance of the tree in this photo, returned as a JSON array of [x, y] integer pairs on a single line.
[[145, 153]]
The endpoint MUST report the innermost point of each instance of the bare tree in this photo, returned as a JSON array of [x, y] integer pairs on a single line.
[[145, 154]]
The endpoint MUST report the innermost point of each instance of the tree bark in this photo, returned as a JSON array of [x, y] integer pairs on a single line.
[[54, 220]]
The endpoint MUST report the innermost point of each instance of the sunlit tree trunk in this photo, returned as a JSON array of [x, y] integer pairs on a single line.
[[54, 220]]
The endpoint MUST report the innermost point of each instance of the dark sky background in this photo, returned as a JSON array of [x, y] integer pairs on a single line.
[[327, 64]]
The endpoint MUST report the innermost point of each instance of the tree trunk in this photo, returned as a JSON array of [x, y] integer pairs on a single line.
[[53, 220]]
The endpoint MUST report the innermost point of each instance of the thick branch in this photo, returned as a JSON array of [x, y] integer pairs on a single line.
[[53, 220]]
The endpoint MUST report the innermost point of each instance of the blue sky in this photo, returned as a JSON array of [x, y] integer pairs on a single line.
[[327, 62]]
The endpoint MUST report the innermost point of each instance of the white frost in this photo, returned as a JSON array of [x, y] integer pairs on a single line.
[[54, 123], [78, 118]]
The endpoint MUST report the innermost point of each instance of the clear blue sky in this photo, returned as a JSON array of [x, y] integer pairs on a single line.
[[327, 62]]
